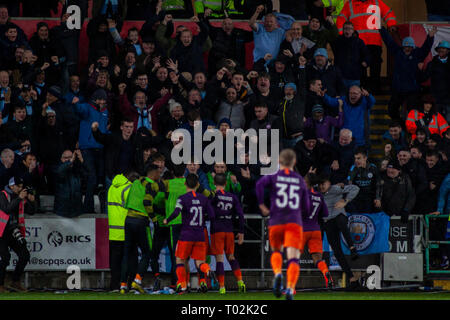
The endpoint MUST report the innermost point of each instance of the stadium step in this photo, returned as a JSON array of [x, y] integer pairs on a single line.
[[379, 124]]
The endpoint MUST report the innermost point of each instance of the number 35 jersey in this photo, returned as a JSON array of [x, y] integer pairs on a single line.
[[318, 210], [288, 196], [195, 208]]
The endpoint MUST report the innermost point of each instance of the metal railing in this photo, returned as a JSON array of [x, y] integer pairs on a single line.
[[433, 244]]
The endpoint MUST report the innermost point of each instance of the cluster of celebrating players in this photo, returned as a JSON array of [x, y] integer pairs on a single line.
[[294, 215]]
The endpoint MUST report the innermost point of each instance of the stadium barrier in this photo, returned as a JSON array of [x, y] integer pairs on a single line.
[[56, 243], [433, 244]]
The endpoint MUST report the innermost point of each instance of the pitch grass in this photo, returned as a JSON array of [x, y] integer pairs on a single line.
[[229, 296]]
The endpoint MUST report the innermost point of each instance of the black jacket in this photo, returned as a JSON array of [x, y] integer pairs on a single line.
[[345, 156], [291, 113], [349, 53], [269, 122], [113, 143], [190, 58], [68, 189], [417, 174], [331, 77], [272, 100], [318, 158], [52, 142], [398, 197], [226, 46], [439, 73]]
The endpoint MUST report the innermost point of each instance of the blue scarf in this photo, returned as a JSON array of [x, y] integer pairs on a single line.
[[138, 49], [2, 103], [28, 106], [144, 118], [39, 87]]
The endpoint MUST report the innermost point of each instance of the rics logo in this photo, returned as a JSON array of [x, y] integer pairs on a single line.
[[55, 238]]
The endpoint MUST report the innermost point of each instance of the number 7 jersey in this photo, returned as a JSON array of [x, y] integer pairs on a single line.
[[288, 197], [318, 210], [195, 208]]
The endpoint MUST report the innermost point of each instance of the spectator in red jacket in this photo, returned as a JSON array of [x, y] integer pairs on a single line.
[[427, 118]]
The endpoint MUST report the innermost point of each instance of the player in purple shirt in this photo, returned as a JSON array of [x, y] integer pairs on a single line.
[[312, 236], [226, 207], [195, 208], [288, 199]]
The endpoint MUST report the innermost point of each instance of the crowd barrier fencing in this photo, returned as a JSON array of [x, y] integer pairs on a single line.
[[433, 244], [55, 243]]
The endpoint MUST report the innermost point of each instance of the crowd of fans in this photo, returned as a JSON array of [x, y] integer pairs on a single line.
[[68, 129]]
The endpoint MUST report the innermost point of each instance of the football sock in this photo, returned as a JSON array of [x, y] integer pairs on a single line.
[[181, 275], [220, 272], [236, 269], [322, 266], [276, 260], [293, 272]]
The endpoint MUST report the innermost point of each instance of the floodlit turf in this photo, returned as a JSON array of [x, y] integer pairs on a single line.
[[229, 296]]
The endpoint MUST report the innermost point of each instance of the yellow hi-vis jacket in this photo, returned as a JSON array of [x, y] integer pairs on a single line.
[[117, 197]]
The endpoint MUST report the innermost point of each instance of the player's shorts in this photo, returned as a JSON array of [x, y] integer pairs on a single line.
[[194, 249], [314, 241], [222, 242], [286, 235]]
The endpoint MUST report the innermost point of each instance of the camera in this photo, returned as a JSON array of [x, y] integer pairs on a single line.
[[30, 190], [18, 236]]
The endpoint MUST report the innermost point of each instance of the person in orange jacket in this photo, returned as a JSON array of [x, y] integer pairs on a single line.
[[363, 14], [429, 119]]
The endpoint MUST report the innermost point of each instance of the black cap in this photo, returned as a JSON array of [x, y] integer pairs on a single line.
[[394, 164], [99, 94], [309, 134], [102, 53], [56, 91]]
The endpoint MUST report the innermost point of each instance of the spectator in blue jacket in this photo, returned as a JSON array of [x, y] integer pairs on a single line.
[[356, 108], [443, 207], [92, 151], [350, 55], [268, 37], [444, 197], [406, 78]]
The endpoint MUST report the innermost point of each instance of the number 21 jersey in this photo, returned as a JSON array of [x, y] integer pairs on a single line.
[[288, 196], [195, 208]]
